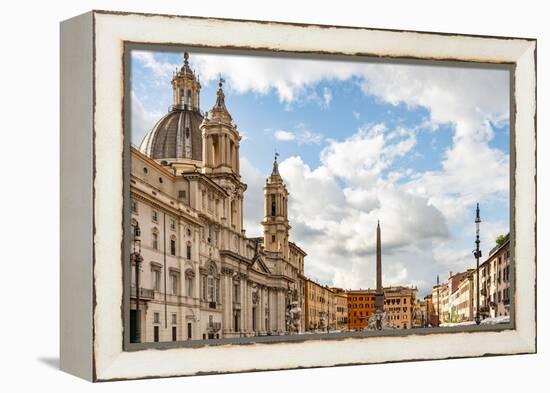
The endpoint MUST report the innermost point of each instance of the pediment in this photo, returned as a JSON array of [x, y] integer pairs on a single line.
[[259, 265]]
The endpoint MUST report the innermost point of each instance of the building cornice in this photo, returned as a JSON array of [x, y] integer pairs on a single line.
[[152, 201], [201, 177]]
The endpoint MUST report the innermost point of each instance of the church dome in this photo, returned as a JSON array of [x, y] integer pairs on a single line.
[[177, 136]]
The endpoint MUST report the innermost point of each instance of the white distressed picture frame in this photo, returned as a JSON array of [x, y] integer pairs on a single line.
[[92, 149]]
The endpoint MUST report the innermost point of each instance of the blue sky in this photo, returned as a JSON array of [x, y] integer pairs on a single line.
[[412, 145]]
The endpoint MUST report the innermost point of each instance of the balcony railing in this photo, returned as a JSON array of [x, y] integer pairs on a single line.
[[144, 293], [214, 326], [236, 305]]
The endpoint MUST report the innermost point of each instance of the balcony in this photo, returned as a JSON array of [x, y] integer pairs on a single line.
[[214, 326], [144, 293]]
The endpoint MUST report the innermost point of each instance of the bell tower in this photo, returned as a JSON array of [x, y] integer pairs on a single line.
[[275, 222], [220, 139], [220, 158]]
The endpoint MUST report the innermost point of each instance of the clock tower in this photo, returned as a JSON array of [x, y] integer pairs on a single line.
[[275, 222]]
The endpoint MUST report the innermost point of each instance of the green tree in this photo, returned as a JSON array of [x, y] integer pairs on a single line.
[[500, 240]]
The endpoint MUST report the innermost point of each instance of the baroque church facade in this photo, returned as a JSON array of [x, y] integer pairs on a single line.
[[200, 276]]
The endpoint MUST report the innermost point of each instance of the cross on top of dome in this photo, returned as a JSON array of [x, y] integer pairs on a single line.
[[220, 99], [275, 171]]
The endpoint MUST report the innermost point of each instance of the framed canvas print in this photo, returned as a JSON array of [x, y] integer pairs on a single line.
[[246, 195]]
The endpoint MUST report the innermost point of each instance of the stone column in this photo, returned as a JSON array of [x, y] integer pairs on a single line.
[[224, 151], [249, 306], [267, 310], [237, 158], [261, 309], [240, 213], [226, 301], [244, 305], [205, 148], [280, 312], [227, 152]]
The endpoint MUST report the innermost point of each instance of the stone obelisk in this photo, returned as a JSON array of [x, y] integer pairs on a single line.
[[379, 297]]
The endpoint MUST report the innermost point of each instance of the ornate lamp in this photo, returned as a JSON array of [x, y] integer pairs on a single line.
[[137, 259]]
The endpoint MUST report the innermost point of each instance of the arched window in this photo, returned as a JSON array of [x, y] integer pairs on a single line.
[[173, 245], [189, 278]]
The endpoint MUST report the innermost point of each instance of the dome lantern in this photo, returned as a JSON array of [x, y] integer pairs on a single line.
[[176, 138]]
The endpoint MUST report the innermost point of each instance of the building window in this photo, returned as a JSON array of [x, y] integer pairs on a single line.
[[203, 286], [156, 317], [156, 334], [155, 240], [173, 224], [174, 283], [156, 279], [188, 232], [209, 230], [188, 254], [154, 216], [133, 279], [236, 318], [273, 205], [174, 319], [237, 292], [173, 246], [210, 202], [189, 282], [182, 194], [134, 206], [174, 333]]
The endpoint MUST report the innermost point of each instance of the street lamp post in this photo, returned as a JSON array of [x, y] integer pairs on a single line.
[[477, 255], [137, 259]]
